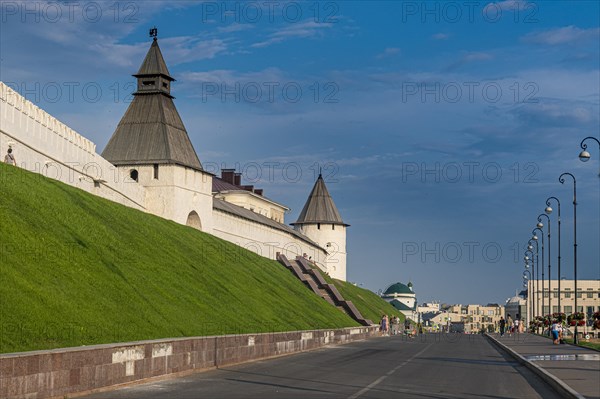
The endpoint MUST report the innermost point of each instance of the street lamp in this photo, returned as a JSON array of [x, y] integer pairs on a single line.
[[526, 278], [534, 283], [535, 238], [540, 225], [585, 156], [549, 211], [561, 179]]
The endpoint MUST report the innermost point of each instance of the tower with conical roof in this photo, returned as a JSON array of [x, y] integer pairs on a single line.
[[152, 146], [320, 221]]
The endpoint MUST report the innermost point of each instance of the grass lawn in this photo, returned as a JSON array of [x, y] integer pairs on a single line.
[[76, 269], [370, 305]]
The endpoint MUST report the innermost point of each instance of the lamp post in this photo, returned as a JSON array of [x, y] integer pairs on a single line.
[[585, 156], [561, 179], [526, 278], [541, 225], [549, 211], [535, 238], [531, 293], [536, 275]]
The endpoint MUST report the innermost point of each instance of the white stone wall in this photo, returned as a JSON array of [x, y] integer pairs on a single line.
[[333, 240], [176, 193], [43, 144], [262, 239]]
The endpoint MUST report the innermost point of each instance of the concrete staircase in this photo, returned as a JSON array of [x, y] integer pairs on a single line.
[[314, 280]]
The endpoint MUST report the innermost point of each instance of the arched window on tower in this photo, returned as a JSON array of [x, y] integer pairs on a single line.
[[193, 220], [133, 174]]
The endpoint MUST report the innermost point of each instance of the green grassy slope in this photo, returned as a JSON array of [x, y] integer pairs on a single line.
[[76, 269], [370, 305]]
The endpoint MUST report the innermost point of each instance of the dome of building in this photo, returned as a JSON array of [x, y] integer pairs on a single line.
[[399, 288]]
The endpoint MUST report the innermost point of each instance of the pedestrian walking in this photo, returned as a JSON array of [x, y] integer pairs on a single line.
[[509, 324], [502, 324], [555, 332]]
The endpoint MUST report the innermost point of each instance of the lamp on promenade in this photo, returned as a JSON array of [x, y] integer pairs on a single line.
[[549, 211], [526, 278], [540, 225], [535, 238], [584, 155], [561, 179], [536, 281]]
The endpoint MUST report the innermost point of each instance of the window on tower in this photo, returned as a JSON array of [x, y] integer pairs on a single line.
[[133, 174], [148, 83]]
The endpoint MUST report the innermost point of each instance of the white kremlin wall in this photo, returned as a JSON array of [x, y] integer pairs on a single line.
[[42, 144], [262, 239]]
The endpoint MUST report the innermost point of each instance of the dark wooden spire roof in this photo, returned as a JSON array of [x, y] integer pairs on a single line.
[[319, 207], [154, 63], [151, 131]]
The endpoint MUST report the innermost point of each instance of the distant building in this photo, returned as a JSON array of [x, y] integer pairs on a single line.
[[429, 307], [467, 318], [516, 307], [588, 297], [403, 298]]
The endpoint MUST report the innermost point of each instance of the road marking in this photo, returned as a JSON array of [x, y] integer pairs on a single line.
[[383, 377]]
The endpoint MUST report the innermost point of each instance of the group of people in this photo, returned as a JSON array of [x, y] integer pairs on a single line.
[[510, 326], [391, 325]]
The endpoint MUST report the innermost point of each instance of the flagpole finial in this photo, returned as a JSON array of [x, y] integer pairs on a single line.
[[154, 32]]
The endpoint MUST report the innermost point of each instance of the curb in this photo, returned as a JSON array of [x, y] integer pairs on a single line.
[[557, 384]]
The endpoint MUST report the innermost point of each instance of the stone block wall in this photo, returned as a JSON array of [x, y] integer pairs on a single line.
[[61, 372]]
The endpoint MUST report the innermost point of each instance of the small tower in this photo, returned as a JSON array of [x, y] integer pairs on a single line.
[[152, 147], [321, 222]]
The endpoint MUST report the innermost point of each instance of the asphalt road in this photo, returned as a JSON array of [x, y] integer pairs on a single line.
[[434, 366]]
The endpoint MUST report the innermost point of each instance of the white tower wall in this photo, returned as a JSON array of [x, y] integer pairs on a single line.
[[332, 237]]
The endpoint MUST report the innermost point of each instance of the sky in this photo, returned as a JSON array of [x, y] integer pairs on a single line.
[[440, 127]]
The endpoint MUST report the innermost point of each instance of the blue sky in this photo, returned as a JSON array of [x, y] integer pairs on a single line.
[[441, 127]]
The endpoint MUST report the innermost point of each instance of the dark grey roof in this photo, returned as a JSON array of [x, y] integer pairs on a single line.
[[219, 185], [151, 131], [319, 207], [236, 210], [154, 63]]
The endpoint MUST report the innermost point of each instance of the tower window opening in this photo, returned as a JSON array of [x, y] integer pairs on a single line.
[[318, 226], [156, 171], [133, 174], [333, 227], [148, 83], [165, 85]]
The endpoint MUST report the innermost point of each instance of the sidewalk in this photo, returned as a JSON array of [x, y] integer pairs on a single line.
[[578, 367]]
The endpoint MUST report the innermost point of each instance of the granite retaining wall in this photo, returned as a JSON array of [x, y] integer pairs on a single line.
[[64, 372]]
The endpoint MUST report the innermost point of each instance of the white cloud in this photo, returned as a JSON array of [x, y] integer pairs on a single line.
[[468, 58], [305, 29], [565, 35], [388, 52], [440, 36], [509, 5]]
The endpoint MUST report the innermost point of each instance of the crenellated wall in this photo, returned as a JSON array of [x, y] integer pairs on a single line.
[[43, 144]]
